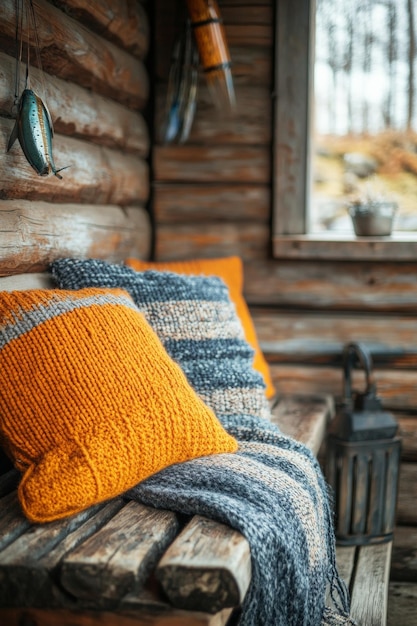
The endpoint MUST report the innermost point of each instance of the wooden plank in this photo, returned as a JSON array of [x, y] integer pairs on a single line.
[[312, 337], [407, 495], [123, 22], [252, 66], [96, 174], [188, 241], [404, 554], [12, 522], [215, 164], [253, 34], [345, 561], [197, 579], [184, 203], [397, 389], [20, 282], [31, 579], [32, 235], [304, 418], [249, 123], [44, 617], [121, 555], [408, 432], [78, 112], [369, 595], [351, 286], [93, 62], [401, 246], [402, 604]]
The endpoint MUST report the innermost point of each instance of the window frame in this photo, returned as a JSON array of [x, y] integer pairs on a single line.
[[292, 149]]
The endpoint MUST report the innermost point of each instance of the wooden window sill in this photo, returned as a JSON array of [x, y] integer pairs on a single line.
[[400, 246]]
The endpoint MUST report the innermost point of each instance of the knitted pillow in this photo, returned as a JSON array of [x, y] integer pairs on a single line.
[[90, 402], [197, 323], [230, 269]]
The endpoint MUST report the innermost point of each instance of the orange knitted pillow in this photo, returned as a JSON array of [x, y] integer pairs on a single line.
[[90, 402], [230, 269]]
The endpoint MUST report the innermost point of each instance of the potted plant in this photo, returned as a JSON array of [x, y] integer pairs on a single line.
[[372, 214]]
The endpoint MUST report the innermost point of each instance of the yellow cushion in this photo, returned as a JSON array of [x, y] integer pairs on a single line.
[[230, 269], [90, 402]]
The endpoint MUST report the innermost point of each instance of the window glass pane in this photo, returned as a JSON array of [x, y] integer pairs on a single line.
[[365, 110]]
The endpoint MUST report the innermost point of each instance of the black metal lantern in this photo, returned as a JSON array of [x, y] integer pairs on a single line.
[[363, 459]]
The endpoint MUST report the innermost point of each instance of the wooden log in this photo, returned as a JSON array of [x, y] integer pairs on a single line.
[[402, 604], [320, 335], [32, 235], [407, 495], [369, 596], [247, 240], [397, 389], [45, 617], [93, 62], [123, 22], [404, 554], [304, 418], [408, 432], [352, 286], [78, 112], [120, 556], [179, 203], [249, 123], [95, 174], [214, 164], [194, 579]]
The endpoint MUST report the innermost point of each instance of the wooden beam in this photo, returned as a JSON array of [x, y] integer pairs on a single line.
[[215, 164], [93, 62], [185, 203], [369, 593], [404, 554], [120, 21], [352, 286], [32, 235], [78, 112], [175, 242], [96, 175], [402, 604]]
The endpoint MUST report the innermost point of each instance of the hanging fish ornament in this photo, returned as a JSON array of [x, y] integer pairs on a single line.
[[33, 127], [34, 130]]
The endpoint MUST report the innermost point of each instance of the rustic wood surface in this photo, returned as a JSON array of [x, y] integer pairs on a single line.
[[369, 597], [21, 282], [215, 164], [408, 432], [32, 235], [207, 568], [93, 62], [202, 203], [120, 555], [248, 123], [211, 240], [352, 286], [401, 246], [397, 389], [407, 495], [304, 417], [402, 604], [95, 174], [124, 22], [404, 554], [78, 112], [151, 617]]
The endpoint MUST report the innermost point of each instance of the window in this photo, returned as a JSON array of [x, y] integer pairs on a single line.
[[299, 229]]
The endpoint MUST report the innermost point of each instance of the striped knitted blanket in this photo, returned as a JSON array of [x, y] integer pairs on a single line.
[[272, 490]]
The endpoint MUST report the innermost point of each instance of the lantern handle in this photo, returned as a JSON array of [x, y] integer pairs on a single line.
[[353, 352]]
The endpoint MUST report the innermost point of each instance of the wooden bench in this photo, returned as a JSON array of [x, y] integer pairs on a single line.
[[122, 563]]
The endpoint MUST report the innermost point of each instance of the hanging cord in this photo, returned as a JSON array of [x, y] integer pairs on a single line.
[[19, 49], [37, 46]]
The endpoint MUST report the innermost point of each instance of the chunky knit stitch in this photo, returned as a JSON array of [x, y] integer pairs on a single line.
[[230, 269], [197, 323], [90, 402]]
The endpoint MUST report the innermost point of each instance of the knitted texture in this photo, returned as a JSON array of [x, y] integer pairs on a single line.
[[230, 269], [196, 321], [90, 402], [274, 493]]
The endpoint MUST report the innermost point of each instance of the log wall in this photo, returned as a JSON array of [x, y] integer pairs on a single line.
[[95, 82]]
